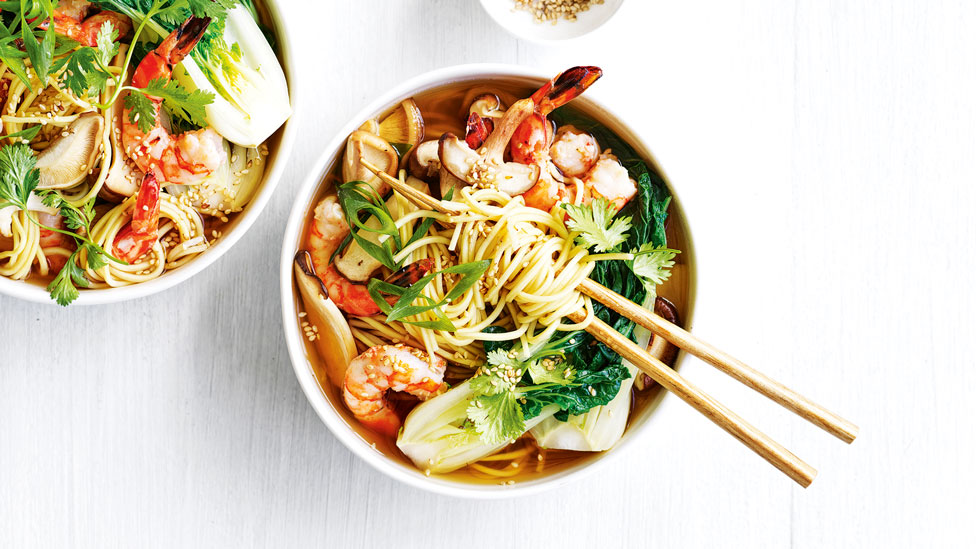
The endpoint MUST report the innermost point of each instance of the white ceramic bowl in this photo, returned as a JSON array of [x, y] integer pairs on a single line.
[[523, 24], [239, 225], [289, 297]]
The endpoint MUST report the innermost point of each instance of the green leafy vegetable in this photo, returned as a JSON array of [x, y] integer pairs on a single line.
[[86, 69], [25, 134], [359, 202], [596, 224], [19, 175], [504, 399], [653, 264], [64, 287], [497, 417], [232, 60], [405, 306], [40, 51], [184, 104]]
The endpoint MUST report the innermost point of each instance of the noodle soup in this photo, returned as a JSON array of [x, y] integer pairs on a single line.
[[127, 188], [522, 460]]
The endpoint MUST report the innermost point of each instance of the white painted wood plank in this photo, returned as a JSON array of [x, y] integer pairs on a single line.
[[825, 152]]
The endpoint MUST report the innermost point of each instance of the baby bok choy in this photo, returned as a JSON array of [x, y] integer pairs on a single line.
[[439, 437], [233, 61], [516, 390]]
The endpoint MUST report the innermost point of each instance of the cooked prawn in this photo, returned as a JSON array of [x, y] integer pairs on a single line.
[[609, 179], [53, 239], [81, 21], [533, 140], [138, 236], [530, 144], [389, 367], [183, 159], [329, 228], [574, 152]]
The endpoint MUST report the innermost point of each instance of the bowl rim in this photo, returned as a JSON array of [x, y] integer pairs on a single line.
[[493, 14], [38, 294], [323, 406]]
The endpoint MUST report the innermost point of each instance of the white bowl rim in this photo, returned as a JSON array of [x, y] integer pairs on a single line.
[[536, 39], [37, 294], [295, 343]]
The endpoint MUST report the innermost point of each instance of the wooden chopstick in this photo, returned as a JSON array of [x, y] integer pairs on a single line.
[[419, 198], [770, 450], [767, 448], [774, 390]]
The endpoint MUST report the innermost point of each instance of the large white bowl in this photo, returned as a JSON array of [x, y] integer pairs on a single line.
[[289, 297], [239, 225]]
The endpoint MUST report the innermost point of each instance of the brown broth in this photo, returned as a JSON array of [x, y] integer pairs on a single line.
[[445, 109]]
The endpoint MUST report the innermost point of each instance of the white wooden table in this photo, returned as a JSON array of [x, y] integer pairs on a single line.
[[825, 153]]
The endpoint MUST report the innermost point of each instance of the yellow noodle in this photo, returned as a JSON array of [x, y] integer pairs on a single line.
[[528, 289], [180, 237]]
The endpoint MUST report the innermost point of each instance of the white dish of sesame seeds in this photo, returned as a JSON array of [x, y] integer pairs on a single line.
[[551, 20]]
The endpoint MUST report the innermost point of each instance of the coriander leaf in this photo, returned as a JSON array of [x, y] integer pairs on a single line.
[[142, 111], [216, 9], [63, 287], [500, 374], [497, 418], [596, 224], [190, 106], [106, 45], [653, 264], [95, 256], [19, 175]]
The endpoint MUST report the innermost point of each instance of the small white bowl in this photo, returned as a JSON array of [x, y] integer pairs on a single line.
[[294, 339], [276, 163], [523, 24]]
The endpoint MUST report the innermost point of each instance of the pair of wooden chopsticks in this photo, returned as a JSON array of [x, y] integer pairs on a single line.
[[770, 450]]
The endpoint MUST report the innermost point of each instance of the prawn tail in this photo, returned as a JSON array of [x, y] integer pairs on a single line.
[[181, 41], [565, 87]]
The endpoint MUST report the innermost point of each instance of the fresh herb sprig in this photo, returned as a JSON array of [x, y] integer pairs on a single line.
[[19, 178], [406, 306], [509, 390], [597, 225], [85, 70], [189, 105]]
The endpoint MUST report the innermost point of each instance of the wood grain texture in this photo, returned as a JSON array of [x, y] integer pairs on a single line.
[[824, 152]]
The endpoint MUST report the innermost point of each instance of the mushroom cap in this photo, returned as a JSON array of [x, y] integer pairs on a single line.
[[68, 159]]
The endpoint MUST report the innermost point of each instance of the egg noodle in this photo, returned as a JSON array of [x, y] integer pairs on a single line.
[[530, 287], [182, 234]]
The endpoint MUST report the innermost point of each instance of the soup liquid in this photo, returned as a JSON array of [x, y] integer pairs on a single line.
[[445, 109]]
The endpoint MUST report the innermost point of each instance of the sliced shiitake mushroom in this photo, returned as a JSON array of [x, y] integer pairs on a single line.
[[660, 348], [403, 125], [374, 149], [334, 340], [371, 126], [66, 161], [423, 162], [354, 262], [510, 177], [487, 105]]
